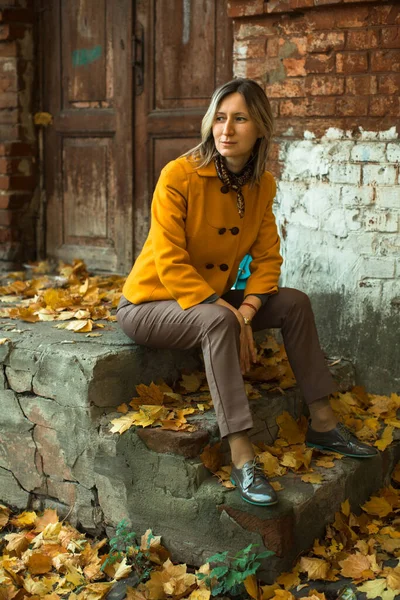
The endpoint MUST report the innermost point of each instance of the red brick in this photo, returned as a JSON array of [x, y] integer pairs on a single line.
[[288, 5], [351, 62], [349, 17], [389, 84], [295, 24], [254, 48], [8, 49], [352, 106], [385, 60], [362, 40], [363, 85], [15, 166], [11, 133], [242, 8], [307, 107], [288, 88], [273, 47], [14, 201], [274, 107], [16, 182], [9, 218], [390, 37], [9, 116], [245, 29], [12, 15], [385, 15], [325, 42], [382, 106], [321, 19], [12, 31], [320, 63], [16, 149], [324, 85], [9, 100], [294, 66], [324, 2]]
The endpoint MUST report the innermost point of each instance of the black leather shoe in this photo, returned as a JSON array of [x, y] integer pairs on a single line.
[[340, 440], [253, 484]]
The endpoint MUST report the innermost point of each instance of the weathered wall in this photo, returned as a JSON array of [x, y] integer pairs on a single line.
[[17, 135], [331, 69]]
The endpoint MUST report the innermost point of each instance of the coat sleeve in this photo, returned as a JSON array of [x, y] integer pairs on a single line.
[[168, 218], [266, 264]]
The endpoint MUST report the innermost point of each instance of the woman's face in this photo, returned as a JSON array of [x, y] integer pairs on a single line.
[[234, 131]]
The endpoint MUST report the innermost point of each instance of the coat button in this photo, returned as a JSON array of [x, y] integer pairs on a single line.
[[209, 266], [222, 230], [235, 230], [225, 189], [223, 267]]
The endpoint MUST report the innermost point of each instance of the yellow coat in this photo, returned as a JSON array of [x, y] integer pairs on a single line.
[[197, 238]]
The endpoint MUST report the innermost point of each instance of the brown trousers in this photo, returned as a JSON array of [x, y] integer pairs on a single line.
[[216, 329]]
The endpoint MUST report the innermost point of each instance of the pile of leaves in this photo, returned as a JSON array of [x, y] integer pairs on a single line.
[[372, 418], [358, 547], [70, 296]]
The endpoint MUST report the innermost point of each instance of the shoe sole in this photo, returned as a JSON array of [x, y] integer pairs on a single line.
[[254, 503], [317, 447]]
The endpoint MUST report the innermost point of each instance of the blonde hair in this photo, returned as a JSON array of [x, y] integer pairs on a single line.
[[260, 111]]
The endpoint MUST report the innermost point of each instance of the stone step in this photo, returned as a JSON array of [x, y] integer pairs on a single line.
[[179, 499], [58, 393]]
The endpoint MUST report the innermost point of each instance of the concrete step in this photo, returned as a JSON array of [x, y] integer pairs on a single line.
[[58, 393]]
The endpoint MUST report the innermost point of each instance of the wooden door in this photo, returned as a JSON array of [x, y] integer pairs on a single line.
[[87, 71], [183, 52]]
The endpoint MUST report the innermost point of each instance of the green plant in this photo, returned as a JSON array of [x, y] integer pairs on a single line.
[[125, 544], [229, 577]]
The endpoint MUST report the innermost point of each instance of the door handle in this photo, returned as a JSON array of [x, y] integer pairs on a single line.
[[138, 58]]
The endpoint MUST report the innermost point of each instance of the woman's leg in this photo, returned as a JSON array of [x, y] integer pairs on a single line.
[[214, 328], [290, 310]]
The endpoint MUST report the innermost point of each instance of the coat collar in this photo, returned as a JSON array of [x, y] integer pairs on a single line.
[[207, 171]]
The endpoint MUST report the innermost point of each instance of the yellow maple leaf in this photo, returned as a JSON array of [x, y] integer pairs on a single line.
[[325, 462], [289, 429], [393, 578], [289, 580], [373, 588], [314, 478], [202, 594], [354, 565], [377, 506], [297, 457], [4, 515], [268, 591], [39, 563], [345, 507], [270, 464], [122, 569], [316, 568], [148, 394], [276, 485], [25, 519], [386, 439], [283, 595], [191, 383], [122, 423]]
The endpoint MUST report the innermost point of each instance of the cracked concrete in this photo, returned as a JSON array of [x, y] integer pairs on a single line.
[[58, 393]]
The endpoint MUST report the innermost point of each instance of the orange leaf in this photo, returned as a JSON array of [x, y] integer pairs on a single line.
[[251, 585], [39, 563], [211, 457], [148, 394], [315, 478], [386, 439], [4, 516], [49, 516], [289, 430], [354, 566]]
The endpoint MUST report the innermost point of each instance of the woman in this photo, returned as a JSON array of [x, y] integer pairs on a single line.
[[210, 208]]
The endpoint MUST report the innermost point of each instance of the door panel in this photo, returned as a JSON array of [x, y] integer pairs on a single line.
[[185, 53], [88, 148]]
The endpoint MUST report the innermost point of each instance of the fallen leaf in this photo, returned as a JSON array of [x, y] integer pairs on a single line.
[[316, 568], [377, 506], [211, 457], [386, 439], [373, 588], [39, 563], [354, 566], [251, 585], [314, 478], [25, 519], [4, 515], [289, 429]]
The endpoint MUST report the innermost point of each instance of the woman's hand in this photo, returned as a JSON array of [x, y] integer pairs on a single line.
[[248, 352]]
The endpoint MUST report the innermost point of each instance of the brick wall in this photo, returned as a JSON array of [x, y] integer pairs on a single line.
[[332, 72], [17, 135]]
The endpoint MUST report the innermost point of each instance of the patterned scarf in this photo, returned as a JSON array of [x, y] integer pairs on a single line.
[[236, 182]]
